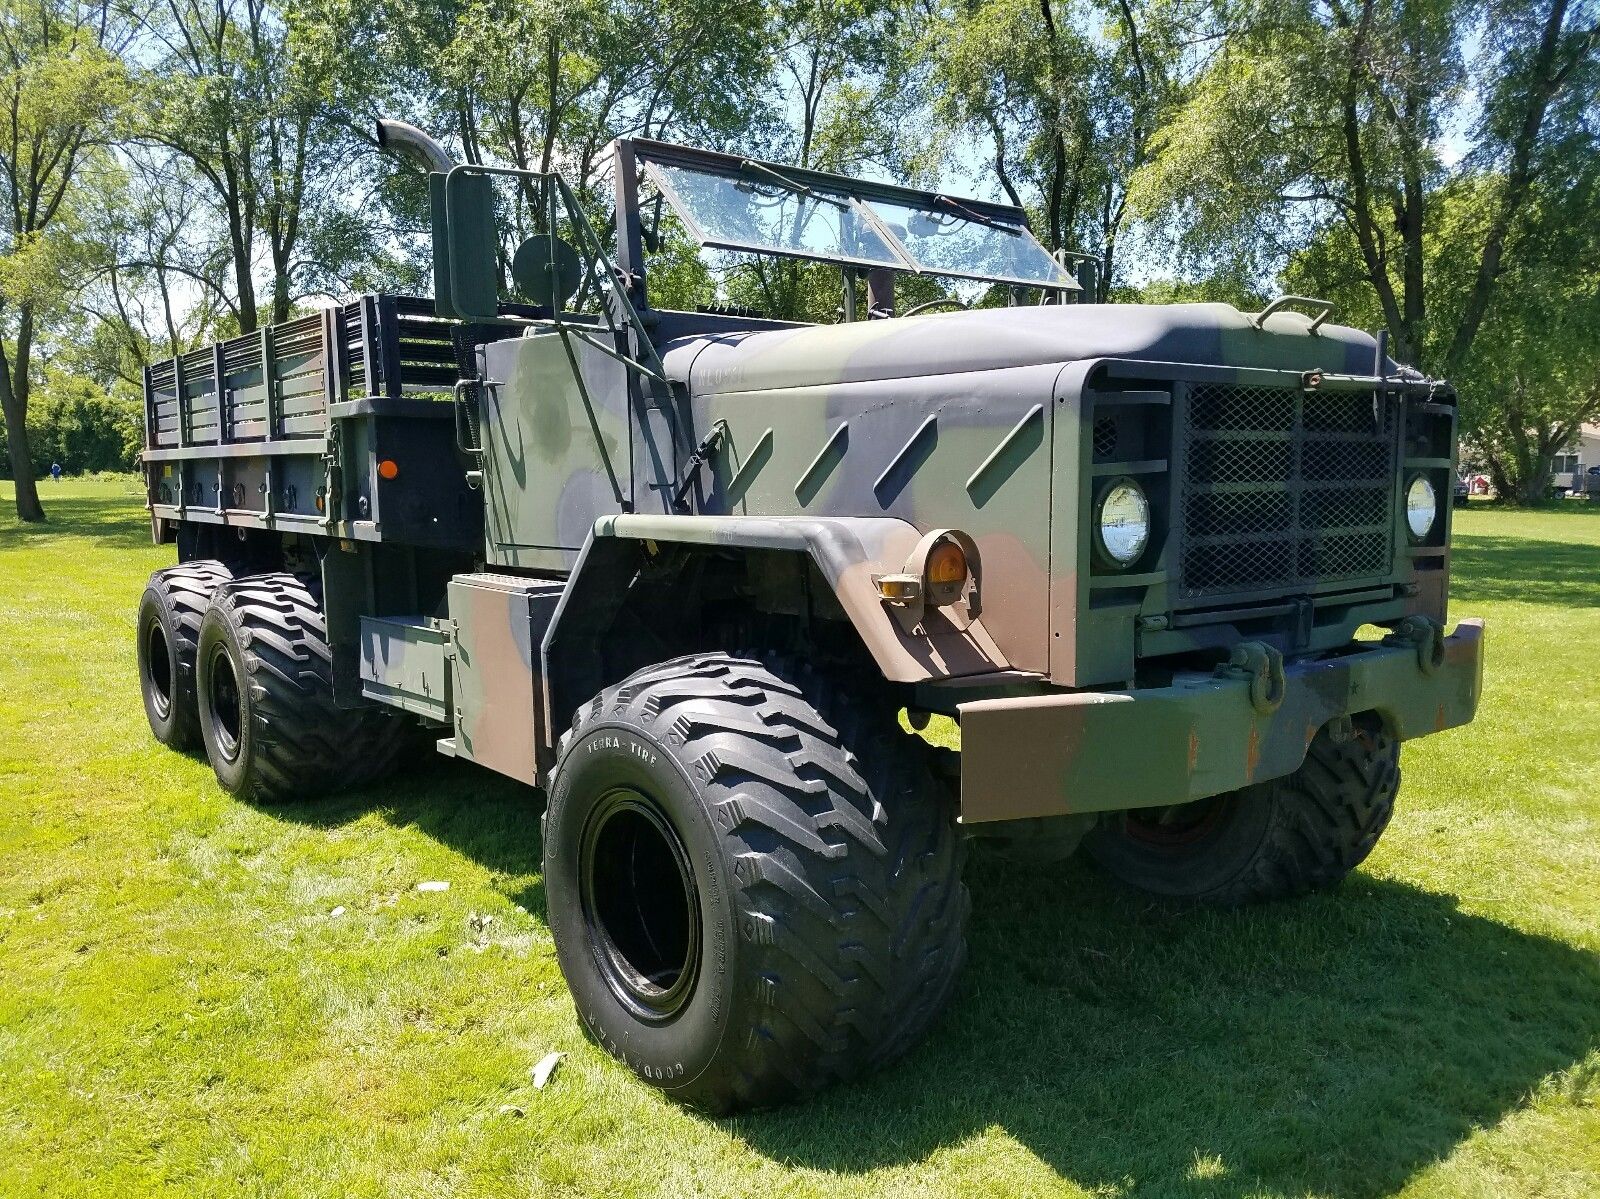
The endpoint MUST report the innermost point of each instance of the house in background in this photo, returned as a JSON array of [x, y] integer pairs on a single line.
[[1583, 450], [1571, 468]]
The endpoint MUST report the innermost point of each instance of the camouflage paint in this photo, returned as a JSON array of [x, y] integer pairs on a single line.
[[498, 622], [846, 443], [851, 554], [405, 663], [1153, 747], [973, 420], [556, 454]]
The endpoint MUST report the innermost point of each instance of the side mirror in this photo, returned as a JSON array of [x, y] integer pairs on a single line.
[[470, 245]]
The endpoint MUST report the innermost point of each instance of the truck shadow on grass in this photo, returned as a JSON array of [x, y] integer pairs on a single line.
[[484, 816], [1566, 574], [1335, 1045]]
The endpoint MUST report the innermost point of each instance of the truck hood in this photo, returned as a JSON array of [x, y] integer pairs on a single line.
[[997, 338]]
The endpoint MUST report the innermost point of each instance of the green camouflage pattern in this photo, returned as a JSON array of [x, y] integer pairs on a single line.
[[1155, 747], [557, 454], [405, 663], [501, 713], [975, 421], [851, 555], [848, 444]]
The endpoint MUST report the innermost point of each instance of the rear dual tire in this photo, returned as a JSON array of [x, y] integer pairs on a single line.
[[170, 614], [264, 689], [753, 885], [243, 668]]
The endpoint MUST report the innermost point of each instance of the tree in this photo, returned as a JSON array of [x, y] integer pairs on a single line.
[[1336, 122], [244, 97], [1532, 377], [78, 425], [63, 88], [1066, 95], [841, 76]]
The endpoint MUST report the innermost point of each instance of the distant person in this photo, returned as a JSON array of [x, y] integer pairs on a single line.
[[55, 471]]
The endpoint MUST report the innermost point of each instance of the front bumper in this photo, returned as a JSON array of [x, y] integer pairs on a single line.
[[1055, 755]]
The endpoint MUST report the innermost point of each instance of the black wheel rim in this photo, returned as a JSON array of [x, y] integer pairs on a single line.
[[640, 905], [1179, 827], [224, 703], [158, 668]]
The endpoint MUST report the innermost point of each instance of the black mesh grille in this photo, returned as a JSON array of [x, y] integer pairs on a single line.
[[1239, 460], [1282, 489], [1105, 438]]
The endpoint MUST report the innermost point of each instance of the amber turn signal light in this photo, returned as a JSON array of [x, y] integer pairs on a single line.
[[900, 589], [387, 469], [947, 565]]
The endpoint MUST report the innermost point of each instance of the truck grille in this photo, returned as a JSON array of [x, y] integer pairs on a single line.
[[1282, 488]]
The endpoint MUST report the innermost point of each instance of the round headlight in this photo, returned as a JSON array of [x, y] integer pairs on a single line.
[[1422, 507], [1124, 522]]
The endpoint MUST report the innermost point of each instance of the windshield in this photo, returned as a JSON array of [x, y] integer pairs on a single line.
[[943, 238], [757, 213], [742, 205]]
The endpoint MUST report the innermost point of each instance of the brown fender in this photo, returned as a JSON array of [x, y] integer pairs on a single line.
[[850, 553]]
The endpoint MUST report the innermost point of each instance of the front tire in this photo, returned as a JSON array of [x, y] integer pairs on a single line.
[[753, 883], [1303, 832], [264, 678], [170, 611]]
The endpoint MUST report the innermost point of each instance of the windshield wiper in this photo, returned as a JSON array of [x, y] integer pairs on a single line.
[[798, 189], [977, 218]]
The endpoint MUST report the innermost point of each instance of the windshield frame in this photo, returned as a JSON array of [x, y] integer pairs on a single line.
[[859, 194]]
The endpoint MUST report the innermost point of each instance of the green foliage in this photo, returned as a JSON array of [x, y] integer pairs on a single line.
[[1532, 378], [1064, 97], [74, 423], [1213, 289], [63, 91], [1332, 147], [1423, 163]]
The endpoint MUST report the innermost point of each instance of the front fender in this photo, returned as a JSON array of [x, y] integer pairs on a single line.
[[849, 554]]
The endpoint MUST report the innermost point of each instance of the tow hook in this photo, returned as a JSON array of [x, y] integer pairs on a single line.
[[1262, 667], [1426, 635]]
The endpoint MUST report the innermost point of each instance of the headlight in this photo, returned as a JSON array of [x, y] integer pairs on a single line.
[[1422, 507], [1124, 522]]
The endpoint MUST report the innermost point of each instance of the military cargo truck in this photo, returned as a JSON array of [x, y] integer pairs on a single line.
[[1178, 573]]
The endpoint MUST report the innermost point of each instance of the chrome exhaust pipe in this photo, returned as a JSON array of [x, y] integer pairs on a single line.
[[399, 137]]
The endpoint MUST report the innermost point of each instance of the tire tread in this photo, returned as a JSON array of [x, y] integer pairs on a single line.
[[305, 744], [847, 863], [187, 590]]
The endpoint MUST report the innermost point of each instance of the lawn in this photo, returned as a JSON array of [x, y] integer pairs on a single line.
[[182, 1011]]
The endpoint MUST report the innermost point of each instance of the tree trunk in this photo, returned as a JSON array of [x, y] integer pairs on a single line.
[[281, 300], [240, 237], [16, 412], [1500, 480], [1534, 487]]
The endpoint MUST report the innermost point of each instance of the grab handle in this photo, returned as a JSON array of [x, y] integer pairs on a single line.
[[1326, 309]]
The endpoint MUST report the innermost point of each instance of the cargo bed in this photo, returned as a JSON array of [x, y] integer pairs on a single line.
[[283, 429]]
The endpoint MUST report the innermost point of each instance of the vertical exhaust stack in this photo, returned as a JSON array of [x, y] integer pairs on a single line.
[[452, 296]]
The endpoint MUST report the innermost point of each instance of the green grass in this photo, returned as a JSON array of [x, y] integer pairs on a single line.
[[180, 1013]]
